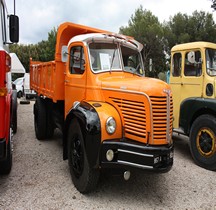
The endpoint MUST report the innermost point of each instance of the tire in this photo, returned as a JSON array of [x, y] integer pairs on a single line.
[[14, 111], [85, 179], [40, 118], [49, 121], [6, 165], [24, 102], [203, 141], [19, 94]]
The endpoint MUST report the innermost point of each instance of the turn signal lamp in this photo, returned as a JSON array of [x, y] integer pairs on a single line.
[[3, 91]]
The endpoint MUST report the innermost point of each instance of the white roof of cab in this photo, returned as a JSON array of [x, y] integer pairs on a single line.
[[107, 38]]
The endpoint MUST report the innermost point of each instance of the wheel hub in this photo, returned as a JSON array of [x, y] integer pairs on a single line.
[[205, 142]]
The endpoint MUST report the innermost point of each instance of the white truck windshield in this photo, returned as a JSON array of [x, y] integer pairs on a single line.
[[111, 56]]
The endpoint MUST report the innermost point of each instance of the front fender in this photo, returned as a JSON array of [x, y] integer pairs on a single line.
[[193, 107], [91, 129], [92, 118]]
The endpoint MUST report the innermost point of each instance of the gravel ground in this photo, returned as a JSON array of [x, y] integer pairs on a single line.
[[40, 179]]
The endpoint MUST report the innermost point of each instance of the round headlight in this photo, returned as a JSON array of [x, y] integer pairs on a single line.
[[110, 125]]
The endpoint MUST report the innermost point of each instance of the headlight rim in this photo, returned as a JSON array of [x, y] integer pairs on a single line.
[[110, 130]]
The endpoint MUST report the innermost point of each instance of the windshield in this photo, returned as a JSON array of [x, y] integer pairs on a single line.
[[109, 56], [104, 56], [211, 61], [132, 60]]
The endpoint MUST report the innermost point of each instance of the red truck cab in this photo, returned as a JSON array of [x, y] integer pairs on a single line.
[[8, 100]]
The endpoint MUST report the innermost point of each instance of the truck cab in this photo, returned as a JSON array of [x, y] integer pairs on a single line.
[[8, 99], [192, 79]]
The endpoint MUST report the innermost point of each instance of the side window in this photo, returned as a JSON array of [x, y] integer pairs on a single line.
[[176, 65], [193, 64], [77, 60]]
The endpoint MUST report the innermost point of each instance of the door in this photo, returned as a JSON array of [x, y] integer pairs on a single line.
[[186, 79], [75, 78]]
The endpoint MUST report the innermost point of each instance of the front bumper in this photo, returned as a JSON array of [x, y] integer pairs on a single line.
[[134, 155], [3, 149]]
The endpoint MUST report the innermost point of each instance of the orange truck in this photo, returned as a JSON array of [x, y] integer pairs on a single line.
[[110, 114]]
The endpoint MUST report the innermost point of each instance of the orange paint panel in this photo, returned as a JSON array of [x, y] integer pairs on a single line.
[[105, 111]]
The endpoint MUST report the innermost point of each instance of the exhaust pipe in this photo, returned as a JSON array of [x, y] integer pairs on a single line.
[[127, 175]]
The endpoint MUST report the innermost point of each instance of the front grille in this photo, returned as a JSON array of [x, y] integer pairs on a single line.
[[143, 126], [134, 117], [162, 112]]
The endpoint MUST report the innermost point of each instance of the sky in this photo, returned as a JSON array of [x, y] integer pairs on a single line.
[[37, 18]]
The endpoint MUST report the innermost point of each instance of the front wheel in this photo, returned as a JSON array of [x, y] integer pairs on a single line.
[[203, 141], [84, 177]]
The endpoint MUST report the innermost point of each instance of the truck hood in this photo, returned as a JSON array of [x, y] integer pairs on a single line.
[[150, 86]]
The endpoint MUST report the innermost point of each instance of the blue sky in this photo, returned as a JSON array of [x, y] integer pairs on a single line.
[[37, 18]]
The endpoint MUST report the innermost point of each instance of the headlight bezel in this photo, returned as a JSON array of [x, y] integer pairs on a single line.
[[110, 125]]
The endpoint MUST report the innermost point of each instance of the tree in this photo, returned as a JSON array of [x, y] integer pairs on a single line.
[[183, 28], [43, 51], [146, 29], [213, 4], [46, 49]]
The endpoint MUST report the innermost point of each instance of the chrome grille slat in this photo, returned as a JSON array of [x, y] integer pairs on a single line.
[[134, 116], [159, 109]]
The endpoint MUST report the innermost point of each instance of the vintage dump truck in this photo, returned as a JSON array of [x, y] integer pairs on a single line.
[[8, 97], [193, 83], [111, 116]]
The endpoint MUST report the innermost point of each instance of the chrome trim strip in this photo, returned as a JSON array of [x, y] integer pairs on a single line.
[[168, 137], [135, 153], [138, 93], [135, 164]]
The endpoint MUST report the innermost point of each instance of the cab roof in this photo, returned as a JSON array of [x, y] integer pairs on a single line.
[[107, 37], [193, 45]]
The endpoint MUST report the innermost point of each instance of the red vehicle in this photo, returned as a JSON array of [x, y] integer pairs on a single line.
[[8, 99]]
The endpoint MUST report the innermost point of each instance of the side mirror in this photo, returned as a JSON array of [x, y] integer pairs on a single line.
[[14, 28], [64, 53]]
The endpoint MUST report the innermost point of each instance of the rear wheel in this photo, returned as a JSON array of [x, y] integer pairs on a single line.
[[49, 120], [40, 118], [6, 165], [203, 141], [84, 177]]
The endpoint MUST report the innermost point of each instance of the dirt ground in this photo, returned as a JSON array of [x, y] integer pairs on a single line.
[[40, 179]]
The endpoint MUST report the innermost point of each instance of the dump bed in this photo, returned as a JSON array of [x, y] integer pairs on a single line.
[[47, 78]]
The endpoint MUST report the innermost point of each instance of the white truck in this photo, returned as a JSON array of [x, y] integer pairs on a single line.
[[27, 91]]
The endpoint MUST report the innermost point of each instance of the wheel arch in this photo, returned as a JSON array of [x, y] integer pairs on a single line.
[[92, 117], [192, 108], [89, 122]]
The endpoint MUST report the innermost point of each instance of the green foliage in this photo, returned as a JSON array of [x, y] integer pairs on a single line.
[[158, 39], [146, 29], [183, 28], [213, 4]]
